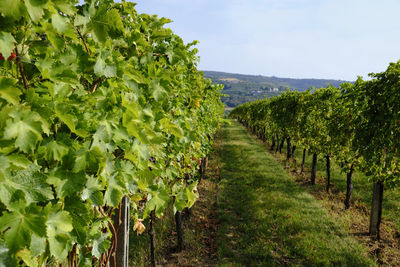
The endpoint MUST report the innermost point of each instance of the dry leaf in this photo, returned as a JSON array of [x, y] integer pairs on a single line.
[[138, 226]]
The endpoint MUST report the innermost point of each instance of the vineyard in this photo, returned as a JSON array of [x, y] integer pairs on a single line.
[[106, 129], [104, 118], [356, 125]]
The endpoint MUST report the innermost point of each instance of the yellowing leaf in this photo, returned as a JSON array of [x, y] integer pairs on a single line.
[[139, 226]]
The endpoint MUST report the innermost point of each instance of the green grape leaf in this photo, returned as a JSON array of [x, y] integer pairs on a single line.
[[35, 9], [91, 161], [159, 201], [100, 31], [93, 191], [55, 40], [158, 91], [180, 202], [171, 127], [14, 9], [103, 136], [19, 161], [67, 183], [38, 245], [55, 151], [116, 190], [101, 68], [7, 42], [81, 20], [26, 128], [81, 213], [62, 25], [135, 75], [59, 226], [191, 196], [64, 113], [20, 227], [44, 65], [114, 21], [5, 164], [101, 245], [68, 7], [31, 181], [5, 258], [9, 91], [85, 261], [4, 115], [134, 128]]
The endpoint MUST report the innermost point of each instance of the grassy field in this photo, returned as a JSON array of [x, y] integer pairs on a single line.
[[266, 219]]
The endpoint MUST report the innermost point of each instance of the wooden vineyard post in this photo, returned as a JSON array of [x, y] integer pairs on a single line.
[[328, 172], [202, 168], [179, 230], [314, 168], [349, 187], [121, 223], [304, 158], [289, 146], [376, 210], [152, 239]]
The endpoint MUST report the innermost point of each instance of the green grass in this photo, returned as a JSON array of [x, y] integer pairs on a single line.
[[265, 219]]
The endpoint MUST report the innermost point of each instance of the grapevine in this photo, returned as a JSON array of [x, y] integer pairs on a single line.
[[97, 102], [357, 124]]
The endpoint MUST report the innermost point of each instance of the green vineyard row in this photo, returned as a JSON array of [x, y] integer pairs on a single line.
[[97, 102], [358, 124]]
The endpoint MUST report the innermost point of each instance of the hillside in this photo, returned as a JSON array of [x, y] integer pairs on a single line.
[[242, 88]]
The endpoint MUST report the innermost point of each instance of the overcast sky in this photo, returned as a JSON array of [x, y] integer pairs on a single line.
[[337, 39]]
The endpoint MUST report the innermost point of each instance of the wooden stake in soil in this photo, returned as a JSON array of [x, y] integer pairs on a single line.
[[265, 135], [202, 171], [328, 172], [281, 145], [277, 143], [273, 143], [151, 234], [293, 150], [376, 210], [349, 189], [288, 146], [121, 222], [314, 169], [304, 158], [179, 230]]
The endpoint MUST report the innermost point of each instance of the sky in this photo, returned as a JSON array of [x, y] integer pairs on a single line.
[[327, 39]]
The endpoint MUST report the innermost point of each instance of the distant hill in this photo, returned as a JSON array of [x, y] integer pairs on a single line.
[[242, 88]]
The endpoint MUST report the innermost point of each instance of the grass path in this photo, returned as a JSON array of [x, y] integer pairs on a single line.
[[266, 219]]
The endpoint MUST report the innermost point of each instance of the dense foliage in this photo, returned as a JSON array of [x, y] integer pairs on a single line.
[[358, 124], [97, 102]]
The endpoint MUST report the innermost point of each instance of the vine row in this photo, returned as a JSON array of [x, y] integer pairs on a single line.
[[97, 103]]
